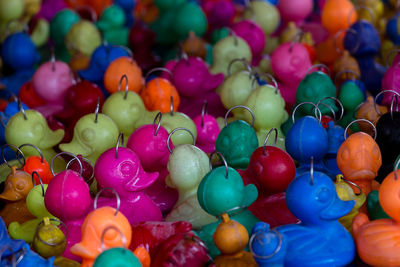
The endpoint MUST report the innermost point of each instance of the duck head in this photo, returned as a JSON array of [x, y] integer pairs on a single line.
[[359, 157], [389, 195], [345, 192], [207, 132], [35, 202], [367, 111], [92, 138], [316, 202], [175, 120], [219, 192], [187, 165], [365, 42], [123, 172], [96, 222], [34, 130], [17, 185]]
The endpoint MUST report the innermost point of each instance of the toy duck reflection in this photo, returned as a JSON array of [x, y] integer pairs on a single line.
[[17, 187], [377, 241], [319, 239]]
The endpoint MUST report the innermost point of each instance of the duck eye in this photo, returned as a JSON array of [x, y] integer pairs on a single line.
[[345, 155], [20, 185], [324, 195]]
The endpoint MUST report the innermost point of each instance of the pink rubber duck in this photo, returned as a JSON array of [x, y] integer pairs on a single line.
[[120, 169], [207, 130], [149, 142]]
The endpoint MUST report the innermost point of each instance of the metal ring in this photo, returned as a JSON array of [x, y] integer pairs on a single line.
[[159, 115], [86, 160], [239, 106], [171, 107], [267, 137], [382, 92], [178, 129], [336, 100], [351, 183], [37, 149], [346, 71], [65, 153], [360, 7], [278, 248], [391, 52], [311, 103], [395, 97], [296, 38], [346, 31], [124, 242], [16, 262], [312, 170], [235, 37], [159, 69], [21, 109], [120, 137], [364, 120], [396, 166], [116, 196], [52, 59], [96, 112], [255, 78], [229, 212], [223, 161], [203, 113], [243, 60], [126, 85], [18, 151], [52, 244], [323, 66], [40, 180], [330, 108]]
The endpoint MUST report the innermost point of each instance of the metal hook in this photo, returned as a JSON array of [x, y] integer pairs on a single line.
[[178, 129], [126, 85], [123, 238], [296, 38], [382, 92], [52, 59], [351, 183], [172, 106], [396, 166], [47, 243], [116, 196], [40, 180], [337, 101], [312, 170], [203, 113], [319, 66], [311, 103], [96, 112], [278, 248], [159, 115], [65, 153], [221, 157], [395, 97], [159, 69], [37, 149], [120, 137], [254, 79], [346, 71], [235, 37], [19, 151], [243, 60], [346, 31], [21, 109], [239, 106], [345, 130], [86, 160], [267, 137]]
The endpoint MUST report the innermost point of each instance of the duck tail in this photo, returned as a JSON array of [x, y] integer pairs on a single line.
[[359, 220]]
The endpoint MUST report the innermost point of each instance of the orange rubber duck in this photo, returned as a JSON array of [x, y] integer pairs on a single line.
[[378, 241], [367, 111], [17, 186], [231, 238], [102, 229]]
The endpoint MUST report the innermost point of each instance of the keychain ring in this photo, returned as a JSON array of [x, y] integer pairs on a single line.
[[346, 31], [171, 107], [330, 108], [346, 71], [159, 117], [96, 112], [203, 113], [337, 101], [296, 38], [53, 59], [318, 66], [395, 97], [159, 69], [40, 180], [311, 103], [312, 170], [267, 137], [243, 60], [358, 120], [396, 166], [221, 157], [123, 238], [235, 37], [126, 85], [267, 75], [19, 151], [65, 153], [278, 248], [178, 129], [86, 160], [21, 109], [116, 196], [37, 149], [353, 184], [382, 92], [239, 106], [120, 137], [52, 220]]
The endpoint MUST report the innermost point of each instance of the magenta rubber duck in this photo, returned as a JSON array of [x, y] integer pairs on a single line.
[[207, 131], [220, 13], [120, 169], [290, 63], [195, 85], [68, 198], [149, 142], [391, 81]]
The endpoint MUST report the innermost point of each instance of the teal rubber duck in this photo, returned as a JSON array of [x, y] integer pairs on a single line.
[[111, 24]]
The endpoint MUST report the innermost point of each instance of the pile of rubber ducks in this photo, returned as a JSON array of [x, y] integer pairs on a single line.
[[162, 133]]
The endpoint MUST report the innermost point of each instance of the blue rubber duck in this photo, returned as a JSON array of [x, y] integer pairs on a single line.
[[319, 240], [335, 140]]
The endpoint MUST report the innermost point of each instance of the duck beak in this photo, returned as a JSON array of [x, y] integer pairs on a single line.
[[77, 147], [80, 249], [10, 195], [250, 195], [51, 138], [141, 181], [338, 208]]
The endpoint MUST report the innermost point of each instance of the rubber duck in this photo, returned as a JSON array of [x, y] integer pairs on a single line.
[[207, 131], [114, 257], [187, 165], [351, 95], [312, 198], [93, 134], [120, 169], [346, 193], [377, 240], [346, 68], [27, 258], [173, 120], [220, 184], [111, 24], [231, 238], [335, 140], [5, 241], [264, 14], [367, 111], [35, 205], [31, 127], [375, 210], [157, 94], [194, 46], [17, 186]]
